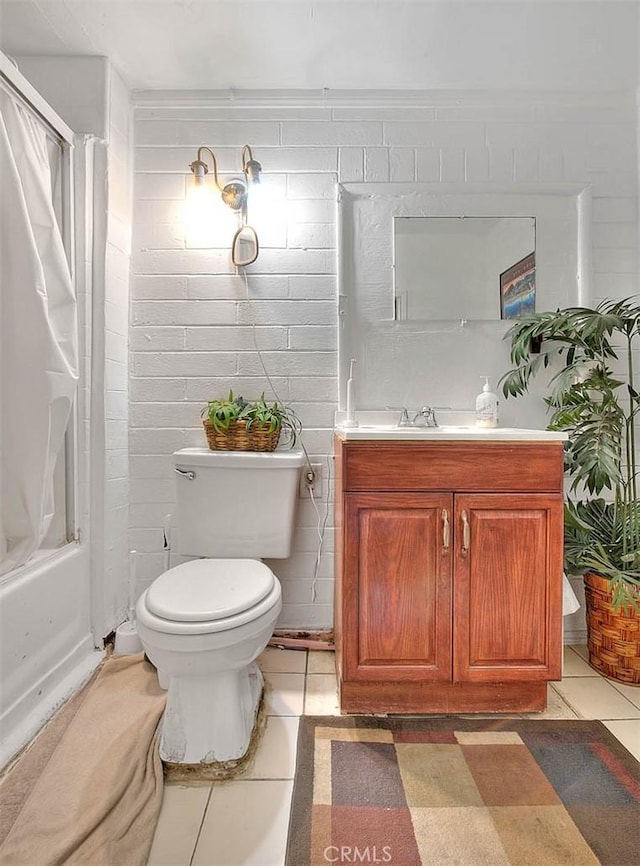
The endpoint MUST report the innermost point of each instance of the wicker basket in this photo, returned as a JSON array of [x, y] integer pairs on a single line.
[[238, 438], [613, 637]]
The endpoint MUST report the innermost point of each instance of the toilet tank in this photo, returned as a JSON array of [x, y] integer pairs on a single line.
[[236, 503]]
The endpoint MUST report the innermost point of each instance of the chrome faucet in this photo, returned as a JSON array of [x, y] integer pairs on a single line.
[[404, 420], [426, 417]]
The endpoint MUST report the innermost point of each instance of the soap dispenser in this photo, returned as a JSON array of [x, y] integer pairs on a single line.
[[486, 406]]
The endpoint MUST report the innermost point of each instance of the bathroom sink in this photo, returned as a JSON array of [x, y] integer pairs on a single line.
[[415, 429], [411, 430], [453, 424], [446, 431], [455, 428]]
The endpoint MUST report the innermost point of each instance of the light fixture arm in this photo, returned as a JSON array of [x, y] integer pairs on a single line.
[[199, 167], [250, 166], [246, 150]]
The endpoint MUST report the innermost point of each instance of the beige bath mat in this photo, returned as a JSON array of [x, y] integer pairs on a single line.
[[89, 790]]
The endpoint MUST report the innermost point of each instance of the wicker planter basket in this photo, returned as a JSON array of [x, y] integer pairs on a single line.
[[238, 438], [613, 637]]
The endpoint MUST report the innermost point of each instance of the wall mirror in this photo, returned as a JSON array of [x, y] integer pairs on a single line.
[[455, 268], [428, 350]]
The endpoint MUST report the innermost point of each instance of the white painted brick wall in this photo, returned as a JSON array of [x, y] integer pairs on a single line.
[[191, 335]]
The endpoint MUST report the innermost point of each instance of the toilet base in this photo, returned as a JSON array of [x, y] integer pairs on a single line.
[[218, 771], [210, 719]]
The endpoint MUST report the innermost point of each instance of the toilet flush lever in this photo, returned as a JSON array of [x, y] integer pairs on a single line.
[[190, 474]]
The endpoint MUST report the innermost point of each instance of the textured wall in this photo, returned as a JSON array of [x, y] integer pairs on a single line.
[[191, 336]]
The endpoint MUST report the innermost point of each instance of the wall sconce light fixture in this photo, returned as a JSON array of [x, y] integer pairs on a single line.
[[235, 193]]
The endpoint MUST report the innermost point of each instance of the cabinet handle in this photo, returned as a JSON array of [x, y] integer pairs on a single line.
[[446, 531], [466, 533]]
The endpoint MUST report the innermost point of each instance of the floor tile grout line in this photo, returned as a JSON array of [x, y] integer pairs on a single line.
[[597, 675], [568, 702], [565, 701], [598, 718], [581, 677], [284, 715], [623, 694], [263, 779], [592, 671], [605, 680], [304, 688], [199, 833], [573, 650]]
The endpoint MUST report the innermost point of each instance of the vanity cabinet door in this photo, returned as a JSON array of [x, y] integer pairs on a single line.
[[396, 603], [507, 587]]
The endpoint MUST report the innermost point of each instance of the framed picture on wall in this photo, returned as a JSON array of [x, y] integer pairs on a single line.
[[518, 289]]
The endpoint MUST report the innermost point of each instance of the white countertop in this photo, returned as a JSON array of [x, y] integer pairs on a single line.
[[383, 426]]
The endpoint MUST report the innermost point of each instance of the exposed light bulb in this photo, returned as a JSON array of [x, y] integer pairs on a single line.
[[208, 222], [266, 210], [199, 209]]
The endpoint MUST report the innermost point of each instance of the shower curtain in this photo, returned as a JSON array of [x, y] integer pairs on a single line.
[[38, 335]]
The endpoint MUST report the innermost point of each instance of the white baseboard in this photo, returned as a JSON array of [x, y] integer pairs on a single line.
[[575, 637]]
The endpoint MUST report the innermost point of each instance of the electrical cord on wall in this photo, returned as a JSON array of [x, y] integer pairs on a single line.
[[309, 472], [320, 529]]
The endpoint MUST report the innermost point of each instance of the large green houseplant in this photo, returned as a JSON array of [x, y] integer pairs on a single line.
[[590, 355]]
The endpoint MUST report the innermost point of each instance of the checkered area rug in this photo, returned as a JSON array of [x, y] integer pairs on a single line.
[[445, 791]]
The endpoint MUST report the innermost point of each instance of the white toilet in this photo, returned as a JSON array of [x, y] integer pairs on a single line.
[[203, 623]]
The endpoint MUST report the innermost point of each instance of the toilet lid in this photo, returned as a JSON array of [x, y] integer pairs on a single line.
[[209, 589]]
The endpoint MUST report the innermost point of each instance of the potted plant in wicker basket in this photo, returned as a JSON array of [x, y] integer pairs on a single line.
[[594, 399], [236, 424]]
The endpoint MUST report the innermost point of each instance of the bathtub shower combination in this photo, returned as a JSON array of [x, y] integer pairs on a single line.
[[46, 645]]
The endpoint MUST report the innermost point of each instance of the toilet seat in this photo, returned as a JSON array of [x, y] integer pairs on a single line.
[[209, 589], [209, 595]]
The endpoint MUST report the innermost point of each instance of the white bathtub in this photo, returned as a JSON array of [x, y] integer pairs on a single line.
[[46, 645]]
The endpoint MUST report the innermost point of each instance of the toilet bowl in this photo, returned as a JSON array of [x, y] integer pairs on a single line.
[[204, 623]]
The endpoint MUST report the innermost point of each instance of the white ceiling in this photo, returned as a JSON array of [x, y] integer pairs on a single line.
[[338, 44]]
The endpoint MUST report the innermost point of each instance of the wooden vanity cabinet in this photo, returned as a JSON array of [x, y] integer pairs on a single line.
[[448, 575]]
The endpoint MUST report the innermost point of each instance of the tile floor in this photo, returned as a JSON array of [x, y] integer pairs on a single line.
[[244, 822]]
